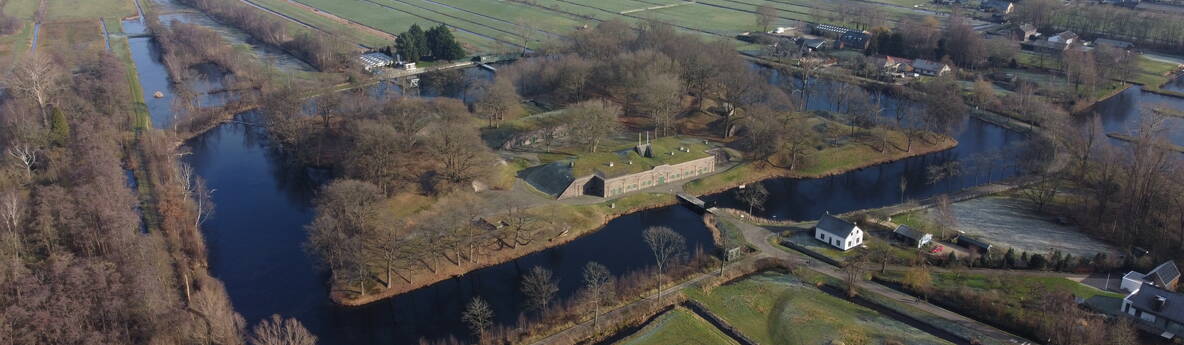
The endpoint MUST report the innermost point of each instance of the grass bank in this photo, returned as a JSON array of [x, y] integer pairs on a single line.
[[678, 326]]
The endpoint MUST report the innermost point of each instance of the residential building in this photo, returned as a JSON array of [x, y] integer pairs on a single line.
[[930, 68], [838, 233], [1066, 38], [913, 237], [1166, 276], [998, 6], [853, 40], [1156, 309], [813, 44], [372, 61], [892, 64]]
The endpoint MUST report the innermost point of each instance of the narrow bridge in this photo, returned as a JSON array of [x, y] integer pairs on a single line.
[[693, 202]]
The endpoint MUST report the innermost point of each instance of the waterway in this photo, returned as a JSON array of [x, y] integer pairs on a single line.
[[1124, 112], [255, 239]]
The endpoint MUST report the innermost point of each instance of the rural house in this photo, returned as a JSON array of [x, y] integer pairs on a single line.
[[912, 236], [930, 68], [838, 233], [853, 40], [892, 64], [1063, 39], [1166, 276], [998, 6], [1156, 309]]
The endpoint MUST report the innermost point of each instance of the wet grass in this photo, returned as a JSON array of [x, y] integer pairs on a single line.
[[774, 308], [678, 326]]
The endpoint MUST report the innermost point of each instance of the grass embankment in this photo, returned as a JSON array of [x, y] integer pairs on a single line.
[[828, 161], [773, 308], [578, 220], [678, 326]]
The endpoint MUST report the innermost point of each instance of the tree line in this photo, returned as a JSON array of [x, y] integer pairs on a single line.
[[437, 43], [1151, 29], [75, 267]]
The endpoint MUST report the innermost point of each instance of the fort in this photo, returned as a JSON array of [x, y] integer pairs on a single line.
[[611, 174]]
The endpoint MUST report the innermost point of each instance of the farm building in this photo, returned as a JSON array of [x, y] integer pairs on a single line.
[[1166, 276], [974, 245], [853, 40], [372, 61], [612, 174], [1156, 309], [912, 236], [838, 233]]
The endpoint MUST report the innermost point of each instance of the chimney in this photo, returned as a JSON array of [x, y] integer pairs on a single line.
[[1159, 303]]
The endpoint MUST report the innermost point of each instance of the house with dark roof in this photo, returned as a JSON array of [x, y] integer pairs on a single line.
[[997, 6], [1156, 309], [812, 44], [853, 40], [838, 233], [930, 68], [913, 237], [1166, 276]]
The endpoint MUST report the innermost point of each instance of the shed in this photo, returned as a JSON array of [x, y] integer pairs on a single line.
[[813, 44], [913, 237], [974, 244]]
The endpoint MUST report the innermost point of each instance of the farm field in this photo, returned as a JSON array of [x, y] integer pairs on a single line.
[[678, 326], [88, 9], [77, 35], [774, 308], [24, 9], [393, 20], [330, 25]]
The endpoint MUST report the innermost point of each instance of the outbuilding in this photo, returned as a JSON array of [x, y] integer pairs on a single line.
[[372, 61], [930, 68], [1166, 276], [838, 233], [974, 245], [912, 236]]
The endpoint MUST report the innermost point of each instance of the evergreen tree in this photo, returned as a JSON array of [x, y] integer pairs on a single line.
[[59, 128], [1009, 258], [443, 45], [412, 44]]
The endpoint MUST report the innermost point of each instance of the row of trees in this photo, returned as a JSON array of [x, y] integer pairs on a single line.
[[317, 48], [435, 44], [1158, 29]]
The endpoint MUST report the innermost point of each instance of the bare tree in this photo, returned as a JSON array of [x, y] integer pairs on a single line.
[[592, 121], [754, 195], [26, 156], [598, 288], [498, 99], [280, 331], [853, 272], [203, 197], [668, 248], [765, 15], [540, 288], [478, 315], [945, 219], [39, 78], [661, 98]]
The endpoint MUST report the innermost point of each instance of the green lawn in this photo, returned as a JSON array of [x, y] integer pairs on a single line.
[[678, 326], [88, 9], [24, 9], [1017, 288], [515, 12], [773, 308]]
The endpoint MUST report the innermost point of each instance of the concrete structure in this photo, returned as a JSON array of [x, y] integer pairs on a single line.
[[911, 236], [613, 174], [1156, 309], [838, 233], [1165, 276]]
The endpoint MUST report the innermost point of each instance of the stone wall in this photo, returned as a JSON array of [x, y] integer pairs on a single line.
[[658, 176]]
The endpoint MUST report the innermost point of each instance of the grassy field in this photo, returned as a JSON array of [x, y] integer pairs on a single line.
[[332, 26], [24, 9], [89, 9], [678, 326], [773, 308], [78, 35], [12, 46], [394, 20]]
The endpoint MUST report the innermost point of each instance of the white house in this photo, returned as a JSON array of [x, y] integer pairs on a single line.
[[838, 233]]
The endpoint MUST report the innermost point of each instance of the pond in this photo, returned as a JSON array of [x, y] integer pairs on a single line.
[[1124, 112], [1014, 223], [255, 246]]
